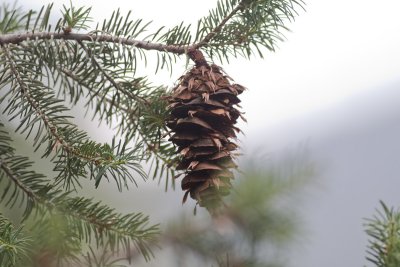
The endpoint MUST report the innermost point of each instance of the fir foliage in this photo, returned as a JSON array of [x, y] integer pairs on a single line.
[[383, 230], [47, 69], [253, 26], [13, 243], [85, 220]]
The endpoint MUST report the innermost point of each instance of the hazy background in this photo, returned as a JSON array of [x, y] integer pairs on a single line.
[[333, 86]]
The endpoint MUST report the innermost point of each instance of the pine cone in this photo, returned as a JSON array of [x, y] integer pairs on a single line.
[[202, 115]]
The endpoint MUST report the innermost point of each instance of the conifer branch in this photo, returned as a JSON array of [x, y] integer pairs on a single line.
[[217, 29], [104, 220], [108, 76], [101, 97], [383, 230], [124, 110], [78, 154], [85, 216], [26, 93], [28, 191], [258, 25], [90, 37], [33, 196], [13, 243], [25, 90], [133, 117]]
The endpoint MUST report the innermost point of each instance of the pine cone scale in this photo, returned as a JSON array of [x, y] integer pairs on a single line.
[[202, 117]]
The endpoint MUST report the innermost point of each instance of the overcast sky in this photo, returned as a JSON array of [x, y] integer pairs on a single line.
[[338, 55]]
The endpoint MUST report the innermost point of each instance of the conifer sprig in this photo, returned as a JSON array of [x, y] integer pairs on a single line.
[[383, 230], [244, 28], [91, 221], [35, 104], [14, 243]]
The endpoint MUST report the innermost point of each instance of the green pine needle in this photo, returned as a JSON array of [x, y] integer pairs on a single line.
[[14, 243]]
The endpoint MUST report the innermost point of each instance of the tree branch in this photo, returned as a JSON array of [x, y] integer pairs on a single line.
[[92, 37], [35, 105], [118, 106], [217, 29], [126, 110], [102, 98], [85, 215], [108, 76], [17, 182]]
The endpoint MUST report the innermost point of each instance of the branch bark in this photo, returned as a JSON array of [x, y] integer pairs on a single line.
[[91, 37]]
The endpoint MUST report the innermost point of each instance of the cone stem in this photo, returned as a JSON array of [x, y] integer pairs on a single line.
[[198, 57]]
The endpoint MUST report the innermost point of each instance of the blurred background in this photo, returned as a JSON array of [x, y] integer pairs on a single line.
[[329, 98]]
